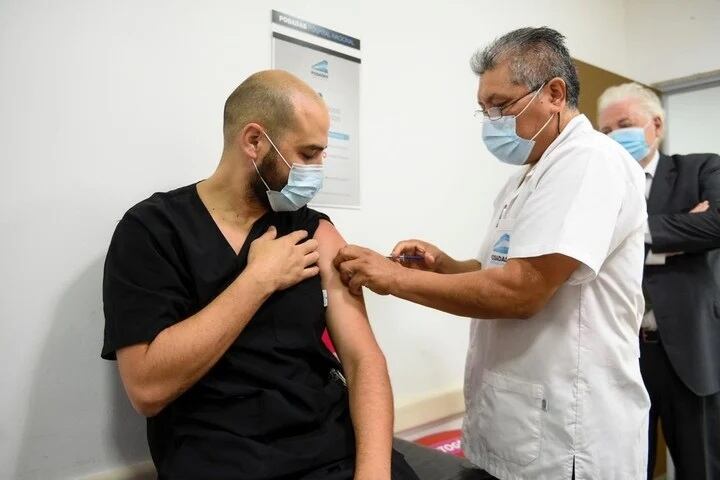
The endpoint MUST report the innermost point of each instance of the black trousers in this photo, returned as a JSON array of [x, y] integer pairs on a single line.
[[431, 464], [691, 423], [409, 462], [345, 470]]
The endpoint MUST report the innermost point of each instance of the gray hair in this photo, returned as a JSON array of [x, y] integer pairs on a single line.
[[535, 56], [646, 98]]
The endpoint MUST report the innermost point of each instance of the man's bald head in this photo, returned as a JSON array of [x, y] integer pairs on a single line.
[[269, 98]]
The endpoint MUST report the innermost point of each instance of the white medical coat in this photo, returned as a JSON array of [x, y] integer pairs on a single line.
[[565, 384]]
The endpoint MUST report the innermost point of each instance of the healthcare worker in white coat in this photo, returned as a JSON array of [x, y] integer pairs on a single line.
[[552, 386]]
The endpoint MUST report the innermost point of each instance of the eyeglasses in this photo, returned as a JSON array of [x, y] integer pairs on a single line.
[[496, 113]]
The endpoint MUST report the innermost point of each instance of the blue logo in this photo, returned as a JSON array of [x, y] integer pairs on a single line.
[[502, 246], [500, 250], [320, 69]]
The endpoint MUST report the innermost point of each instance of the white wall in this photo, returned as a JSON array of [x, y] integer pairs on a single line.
[[692, 121], [670, 39], [103, 103]]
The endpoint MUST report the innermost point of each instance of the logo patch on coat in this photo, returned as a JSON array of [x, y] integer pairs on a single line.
[[501, 249]]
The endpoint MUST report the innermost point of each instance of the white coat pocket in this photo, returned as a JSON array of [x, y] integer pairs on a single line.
[[509, 417]]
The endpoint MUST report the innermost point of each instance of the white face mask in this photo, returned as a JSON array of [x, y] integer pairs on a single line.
[[303, 184]]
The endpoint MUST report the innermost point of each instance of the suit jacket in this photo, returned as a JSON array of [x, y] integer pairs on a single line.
[[684, 292]]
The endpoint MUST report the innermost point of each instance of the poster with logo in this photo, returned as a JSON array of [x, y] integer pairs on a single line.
[[335, 75]]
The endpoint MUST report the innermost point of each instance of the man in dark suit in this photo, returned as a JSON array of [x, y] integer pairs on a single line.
[[680, 333]]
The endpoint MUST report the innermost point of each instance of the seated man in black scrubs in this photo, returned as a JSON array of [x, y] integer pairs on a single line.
[[216, 296]]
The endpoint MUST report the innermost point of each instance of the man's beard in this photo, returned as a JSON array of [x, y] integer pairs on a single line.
[[268, 168]]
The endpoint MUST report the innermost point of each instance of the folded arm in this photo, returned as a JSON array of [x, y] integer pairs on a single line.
[[685, 232], [693, 231]]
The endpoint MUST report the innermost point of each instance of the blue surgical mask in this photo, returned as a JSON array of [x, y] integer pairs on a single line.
[[502, 140], [633, 140], [303, 184]]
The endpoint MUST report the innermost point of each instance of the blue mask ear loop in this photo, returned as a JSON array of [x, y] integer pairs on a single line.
[[526, 107], [543, 127], [537, 92], [281, 156], [656, 142], [276, 149], [261, 178]]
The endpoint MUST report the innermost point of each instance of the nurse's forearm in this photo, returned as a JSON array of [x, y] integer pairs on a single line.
[[461, 266], [509, 292], [371, 408], [157, 373]]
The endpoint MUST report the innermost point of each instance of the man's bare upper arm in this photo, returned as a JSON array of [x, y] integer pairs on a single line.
[[346, 314]]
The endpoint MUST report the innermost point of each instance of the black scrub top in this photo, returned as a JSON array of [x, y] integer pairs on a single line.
[[274, 405]]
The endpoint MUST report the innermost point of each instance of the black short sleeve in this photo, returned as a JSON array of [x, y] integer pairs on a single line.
[[308, 219], [143, 288]]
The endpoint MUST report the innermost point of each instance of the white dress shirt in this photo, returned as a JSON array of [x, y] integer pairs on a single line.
[[648, 321]]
